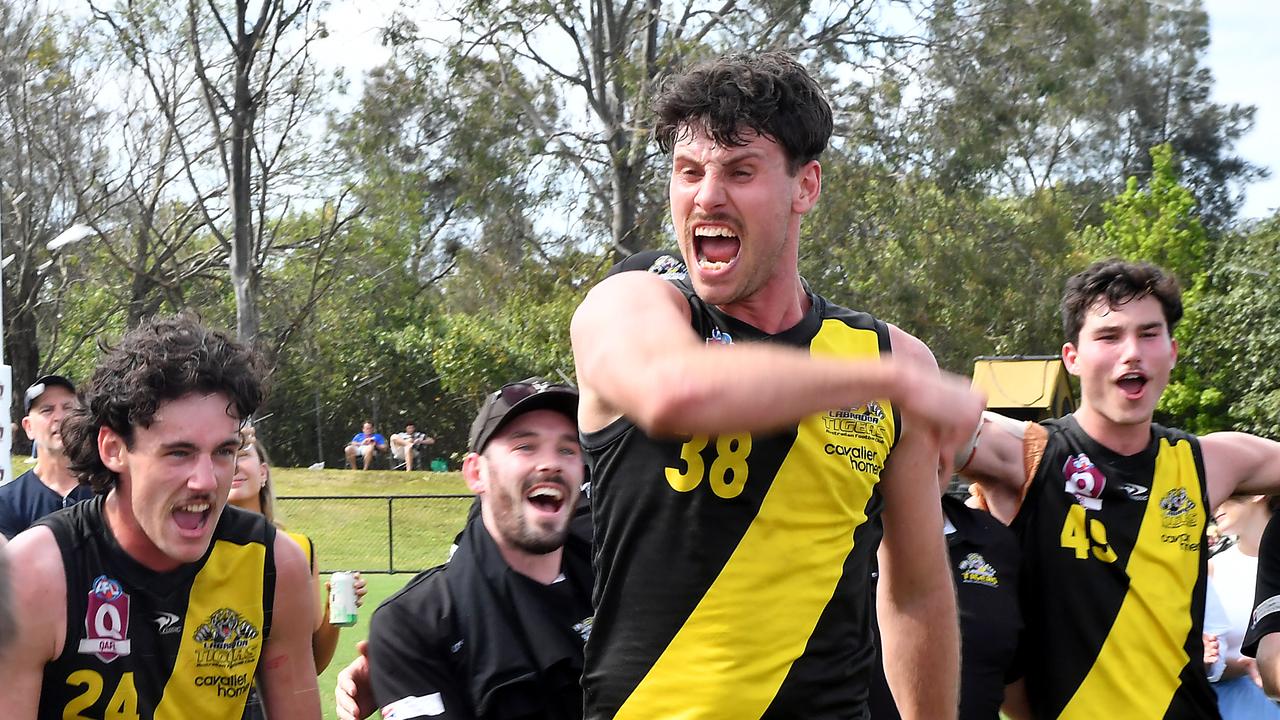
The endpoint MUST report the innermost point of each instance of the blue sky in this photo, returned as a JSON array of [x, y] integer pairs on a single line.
[[1244, 55]]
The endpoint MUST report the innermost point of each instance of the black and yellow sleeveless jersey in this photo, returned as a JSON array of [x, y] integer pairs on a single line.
[[1113, 580], [162, 646], [733, 571]]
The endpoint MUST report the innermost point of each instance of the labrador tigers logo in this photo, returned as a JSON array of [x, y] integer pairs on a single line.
[[1176, 509], [227, 640]]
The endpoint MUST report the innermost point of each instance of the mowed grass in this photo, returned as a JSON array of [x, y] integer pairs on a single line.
[[380, 588], [352, 534]]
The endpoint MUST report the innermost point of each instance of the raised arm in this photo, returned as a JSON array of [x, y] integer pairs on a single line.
[[288, 670], [39, 605], [637, 355], [916, 602], [1237, 463]]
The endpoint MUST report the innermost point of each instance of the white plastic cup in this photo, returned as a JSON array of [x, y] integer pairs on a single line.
[[342, 599]]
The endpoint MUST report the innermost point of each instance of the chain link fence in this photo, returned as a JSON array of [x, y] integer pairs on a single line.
[[376, 533]]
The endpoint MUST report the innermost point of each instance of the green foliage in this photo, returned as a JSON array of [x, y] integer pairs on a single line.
[[968, 274], [1234, 339], [1158, 223]]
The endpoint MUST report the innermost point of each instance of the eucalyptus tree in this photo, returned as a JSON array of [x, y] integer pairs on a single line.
[[236, 84]]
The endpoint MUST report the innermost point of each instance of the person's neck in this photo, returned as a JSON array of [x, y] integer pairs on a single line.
[[1120, 438], [780, 305], [52, 470], [542, 569], [1249, 535], [123, 526]]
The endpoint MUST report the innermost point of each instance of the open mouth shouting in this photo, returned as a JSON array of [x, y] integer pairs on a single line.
[[547, 498], [192, 516], [1132, 385], [716, 246]]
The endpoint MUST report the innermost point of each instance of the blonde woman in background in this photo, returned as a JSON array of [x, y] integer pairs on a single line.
[[251, 490]]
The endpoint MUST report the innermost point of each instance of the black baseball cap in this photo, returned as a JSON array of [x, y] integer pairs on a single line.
[[41, 384], [517, 398]]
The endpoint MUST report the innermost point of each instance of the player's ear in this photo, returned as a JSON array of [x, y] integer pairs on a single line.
[[472, 473], [1069, 357], [111, 448]]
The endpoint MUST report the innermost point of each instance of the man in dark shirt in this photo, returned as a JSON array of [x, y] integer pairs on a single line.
[[984, 558], [49, 485], [496, 634]]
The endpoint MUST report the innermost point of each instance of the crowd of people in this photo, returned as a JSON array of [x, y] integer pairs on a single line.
[[736, 513]]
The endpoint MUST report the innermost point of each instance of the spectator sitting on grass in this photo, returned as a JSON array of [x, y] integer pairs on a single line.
[[498, 632], [410, 445], [251, 490], [365, 444]]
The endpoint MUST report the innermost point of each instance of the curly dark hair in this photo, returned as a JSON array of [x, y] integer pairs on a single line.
[[769, 93], [1118, 281], [160, 360]]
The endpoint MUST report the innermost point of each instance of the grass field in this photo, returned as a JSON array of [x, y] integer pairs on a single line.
[[352, 533]]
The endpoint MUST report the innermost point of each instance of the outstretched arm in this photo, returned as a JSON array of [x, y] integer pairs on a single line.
[[637, 356], [916, 602], [288, 671], [1237, 463]]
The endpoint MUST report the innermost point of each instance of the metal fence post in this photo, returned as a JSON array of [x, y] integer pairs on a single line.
[[391, 535]]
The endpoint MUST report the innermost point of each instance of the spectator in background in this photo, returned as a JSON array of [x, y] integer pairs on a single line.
[[498, 632], [49, 485], [251, 490], [365, 444], [1234, 574], [410, 445]]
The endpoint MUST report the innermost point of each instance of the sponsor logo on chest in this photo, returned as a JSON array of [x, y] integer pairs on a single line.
[[106, 622]]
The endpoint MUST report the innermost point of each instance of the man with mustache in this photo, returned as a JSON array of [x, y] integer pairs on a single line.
[[154, 599], [50, 485], [750, 443], [497, 633]]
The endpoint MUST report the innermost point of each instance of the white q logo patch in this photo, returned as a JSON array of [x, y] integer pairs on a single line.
[[106, 622]]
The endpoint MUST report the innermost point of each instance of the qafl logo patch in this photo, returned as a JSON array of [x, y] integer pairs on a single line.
[[1084, 481], [227, 640], [106, 623], [720, 336]]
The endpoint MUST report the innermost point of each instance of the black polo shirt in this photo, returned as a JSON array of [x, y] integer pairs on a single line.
[[26, 500], [984, 560]]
